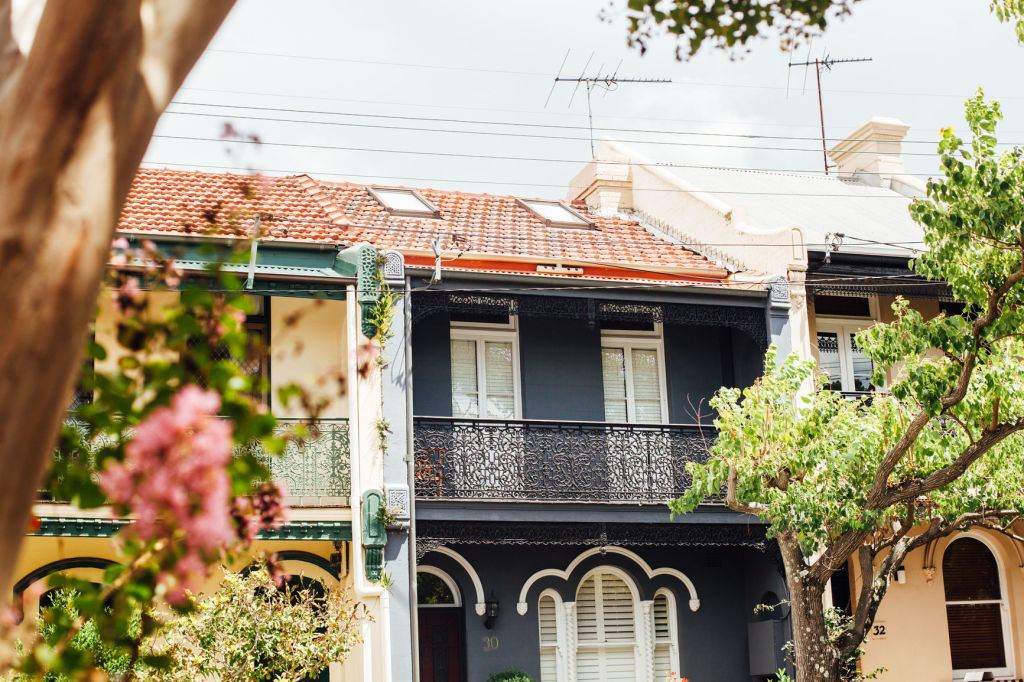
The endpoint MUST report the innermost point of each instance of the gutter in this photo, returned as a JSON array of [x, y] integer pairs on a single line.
[[360, 585]]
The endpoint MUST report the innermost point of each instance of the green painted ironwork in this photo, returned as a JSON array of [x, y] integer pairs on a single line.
[[86, 527], [367, 262], [316, 470], [375, 535]]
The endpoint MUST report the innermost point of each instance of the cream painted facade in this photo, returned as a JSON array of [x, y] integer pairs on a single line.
[[314, 343], [915, 644]]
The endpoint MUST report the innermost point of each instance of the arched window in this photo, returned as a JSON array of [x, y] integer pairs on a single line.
[[605, 629], [666, 638], [975, 608], [434, 587], [547, 621]]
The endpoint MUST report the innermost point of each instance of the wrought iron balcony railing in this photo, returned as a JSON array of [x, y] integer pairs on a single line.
[[317, 470], [486, 459]]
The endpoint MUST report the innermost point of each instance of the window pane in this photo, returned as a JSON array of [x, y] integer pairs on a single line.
[[613, 373], [862, 367], [828, 359], [431, 590], [646, 386], [969, 571], [976, 636], [500, 401], [465, 402]]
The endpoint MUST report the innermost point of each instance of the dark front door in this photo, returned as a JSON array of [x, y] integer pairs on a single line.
[[440, 645]]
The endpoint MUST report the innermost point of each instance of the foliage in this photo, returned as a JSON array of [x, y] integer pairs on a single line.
[[731, 24], [509, 676], [388, 516], [940, 452], [382, 315], [251, 630], [112, 659], [170, 436]]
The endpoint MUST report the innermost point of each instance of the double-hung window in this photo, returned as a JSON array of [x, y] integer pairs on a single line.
[[847, 367], [485, 371], [632, 368], [837, 321]]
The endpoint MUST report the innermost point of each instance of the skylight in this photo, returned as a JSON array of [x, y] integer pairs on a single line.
[[404, 202], [555, 213]]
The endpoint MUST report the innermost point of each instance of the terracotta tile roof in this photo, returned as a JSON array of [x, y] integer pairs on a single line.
[[487, 228]]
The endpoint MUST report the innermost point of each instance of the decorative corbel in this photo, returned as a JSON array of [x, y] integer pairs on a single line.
[[375, 535]]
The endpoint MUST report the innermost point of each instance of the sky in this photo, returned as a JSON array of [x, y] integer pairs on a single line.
[[450, 94]]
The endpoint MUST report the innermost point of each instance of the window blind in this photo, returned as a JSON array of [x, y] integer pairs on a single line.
[[646, 386], [499, 380], [465, 390], [613, 374]]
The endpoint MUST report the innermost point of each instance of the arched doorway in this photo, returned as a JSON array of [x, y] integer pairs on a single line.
[[606, 632], [440, 626], [976, 608]]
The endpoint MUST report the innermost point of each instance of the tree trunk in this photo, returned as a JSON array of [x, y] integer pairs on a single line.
[[76, 115], [814, 657]]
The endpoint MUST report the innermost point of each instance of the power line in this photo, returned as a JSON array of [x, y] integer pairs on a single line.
[[496, 157], [520, 124], [530, 112], [892, 195], [498, 133], [511, 72]]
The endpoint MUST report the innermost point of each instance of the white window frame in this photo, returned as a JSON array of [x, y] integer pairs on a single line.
[[1004, 609], [481, 333], [639, 644], [640, 340], [843, 327], [673, 628]]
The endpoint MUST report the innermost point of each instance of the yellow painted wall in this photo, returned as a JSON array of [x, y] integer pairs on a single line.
[[40, 551], [916, 646], [309, 346]]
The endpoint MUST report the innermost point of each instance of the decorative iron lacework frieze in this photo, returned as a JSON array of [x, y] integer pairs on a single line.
[[554, 461], [88, 527], [750, 320], [433, 534]]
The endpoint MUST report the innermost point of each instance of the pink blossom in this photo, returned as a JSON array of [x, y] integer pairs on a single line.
[[120, 244], [128, 296]]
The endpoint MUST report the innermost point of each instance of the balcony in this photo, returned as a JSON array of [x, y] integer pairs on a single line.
[[316, 471], [549, 461]]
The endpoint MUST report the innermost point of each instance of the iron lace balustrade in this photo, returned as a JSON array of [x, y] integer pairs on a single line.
[[316, 471], [554, 461]]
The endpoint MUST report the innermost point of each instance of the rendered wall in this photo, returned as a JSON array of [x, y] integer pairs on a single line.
[[311, 352], [712, 640], [916, 645]]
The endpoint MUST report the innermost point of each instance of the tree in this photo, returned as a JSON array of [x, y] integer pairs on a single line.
[[82, 85], [938, 453], [731, 24], [250, 631]]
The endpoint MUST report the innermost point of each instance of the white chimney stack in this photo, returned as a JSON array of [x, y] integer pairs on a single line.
[[873, 153]]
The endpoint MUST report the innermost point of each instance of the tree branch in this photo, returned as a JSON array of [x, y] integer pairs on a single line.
[[878, 496], [730, 496]]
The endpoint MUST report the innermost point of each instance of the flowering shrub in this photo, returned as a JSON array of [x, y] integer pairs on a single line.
[[166, 437]]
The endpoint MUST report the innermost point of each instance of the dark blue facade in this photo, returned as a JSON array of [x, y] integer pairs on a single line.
[[511, 498]]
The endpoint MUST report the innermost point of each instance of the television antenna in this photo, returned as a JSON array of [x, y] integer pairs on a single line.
[[600, 79], [825, 62]]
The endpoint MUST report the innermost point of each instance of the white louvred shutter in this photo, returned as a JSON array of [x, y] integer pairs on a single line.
[[662, 638], [547, 616], [465, 390], [606, 630]]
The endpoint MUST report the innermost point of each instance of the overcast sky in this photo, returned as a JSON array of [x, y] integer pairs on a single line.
[[366, 70]]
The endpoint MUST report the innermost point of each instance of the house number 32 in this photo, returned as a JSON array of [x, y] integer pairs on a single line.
[[490, 643], [878, 631]]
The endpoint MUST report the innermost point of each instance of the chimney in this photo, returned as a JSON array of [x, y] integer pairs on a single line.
[[606, 183], [872, 152]]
